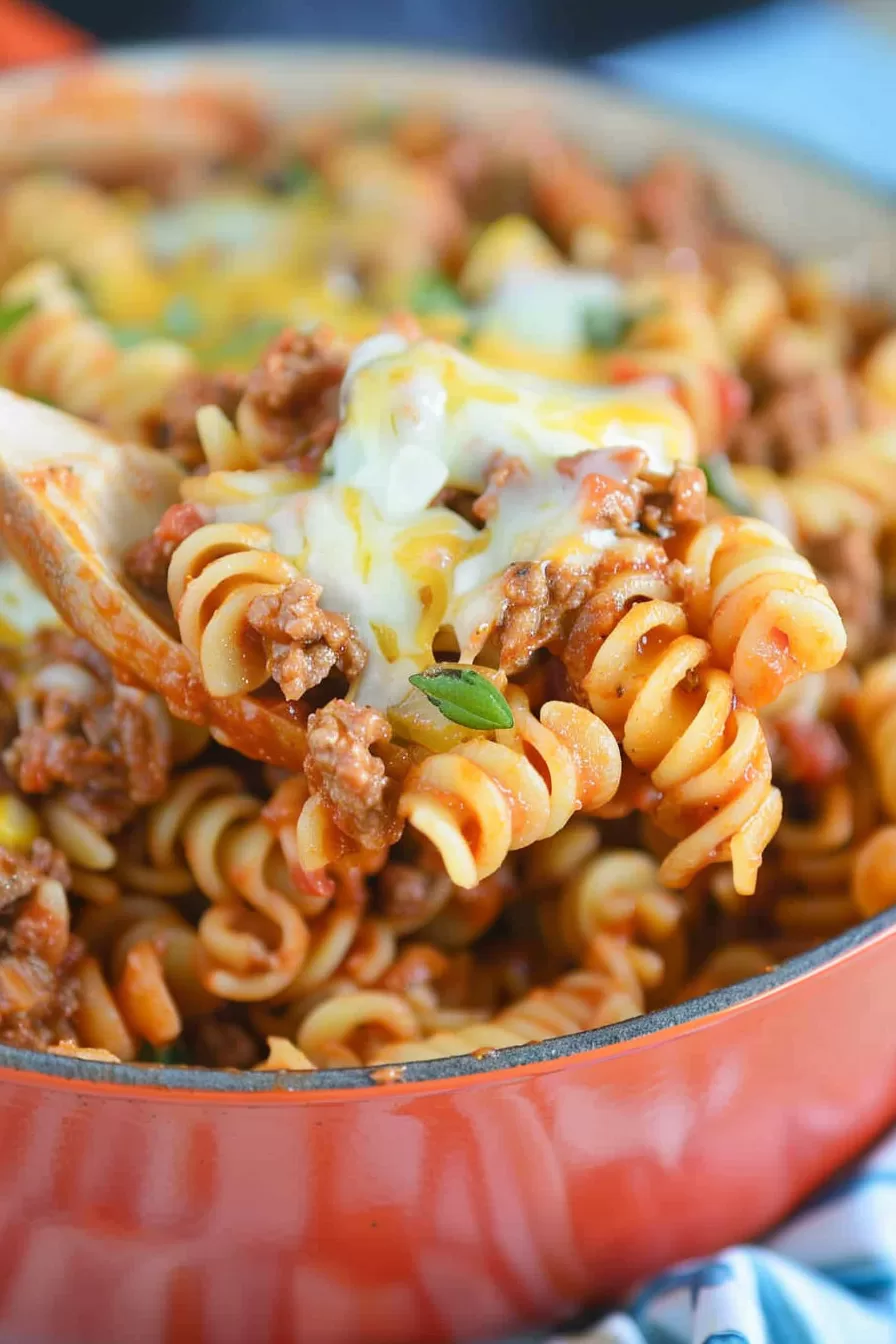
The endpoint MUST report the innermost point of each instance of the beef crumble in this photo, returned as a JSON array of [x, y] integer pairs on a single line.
[[81, 736], [305, 643], [342, 768]]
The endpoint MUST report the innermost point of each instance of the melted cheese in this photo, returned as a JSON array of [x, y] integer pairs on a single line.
[[392, 580], [415, 579], [23, 608], [421, 416], [548, 308]]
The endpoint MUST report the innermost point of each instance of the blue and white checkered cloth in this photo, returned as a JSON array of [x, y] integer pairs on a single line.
[[819, 76]]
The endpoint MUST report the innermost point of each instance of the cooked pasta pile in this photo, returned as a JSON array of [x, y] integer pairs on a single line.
[[554, 514]]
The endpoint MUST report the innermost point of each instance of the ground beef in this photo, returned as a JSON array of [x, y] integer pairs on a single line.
[[539, 602], [147, 562], [676, 204], [38, 989], [537, 598], [290, 409], [849, 566], [101, 747], [342, 767], [305, 643], [219, 1042], [680, 504], [173, 427], [20, 874], [409, 894], [793, 423]]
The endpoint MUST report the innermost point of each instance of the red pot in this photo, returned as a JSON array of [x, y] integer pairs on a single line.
[[474, 1195]]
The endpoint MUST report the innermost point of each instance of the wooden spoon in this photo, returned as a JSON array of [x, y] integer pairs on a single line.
[[72, 502]]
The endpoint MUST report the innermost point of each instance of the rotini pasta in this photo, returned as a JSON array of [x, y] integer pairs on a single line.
[[463, 432], [678, 720], [253, 937], [58, 353], [757, 601], [483, 799], [213, 577]]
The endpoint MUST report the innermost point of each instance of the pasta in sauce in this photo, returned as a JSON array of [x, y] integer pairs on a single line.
[[552, 511]]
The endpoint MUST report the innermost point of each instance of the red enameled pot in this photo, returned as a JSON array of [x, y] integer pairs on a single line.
[[474, 1195]]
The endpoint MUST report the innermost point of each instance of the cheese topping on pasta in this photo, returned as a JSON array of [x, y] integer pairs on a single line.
[[416, 579], [423, 415]]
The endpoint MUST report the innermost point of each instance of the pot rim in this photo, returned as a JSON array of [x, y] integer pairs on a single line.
[[692, 1014]]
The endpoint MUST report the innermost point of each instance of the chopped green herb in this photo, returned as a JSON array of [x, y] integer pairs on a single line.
[[467, 338], [464, 696], [181, 320], [721, 482], [432, 293], [173, 1053], [11, 314], [605, 325], [244, 343], [127, 337], [297, 178]]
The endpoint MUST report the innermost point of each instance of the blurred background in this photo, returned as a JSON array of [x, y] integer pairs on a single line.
[[569, 30], [819, 74], [560, 29]]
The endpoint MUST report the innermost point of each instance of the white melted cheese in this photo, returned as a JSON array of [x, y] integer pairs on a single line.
[[548, 308], [392, 580], [423, 415], [416, 579], [228, 223], [23, 608]]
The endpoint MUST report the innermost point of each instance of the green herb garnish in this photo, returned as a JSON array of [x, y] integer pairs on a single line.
[[11, 314], [297, 178], [127, 337], [722, 483], [181, 320], [432, 293], [244, 342], [464, 696], [605, 325], [173, 1053]]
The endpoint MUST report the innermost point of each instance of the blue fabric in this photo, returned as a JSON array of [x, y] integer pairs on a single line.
[[828, 1276], [808, 71]]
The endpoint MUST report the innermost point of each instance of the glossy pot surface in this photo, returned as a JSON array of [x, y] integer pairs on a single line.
[[457, 1199], [449, 1206]]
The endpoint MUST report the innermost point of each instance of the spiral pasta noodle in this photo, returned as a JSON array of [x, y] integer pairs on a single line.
[[876, 717], [85, 231], [618, 894], [483, 799], [766, 617], [142, 980], [851, 483], [213, 577], [253, 937], [60, 354], [677, 717], [579, 1001]]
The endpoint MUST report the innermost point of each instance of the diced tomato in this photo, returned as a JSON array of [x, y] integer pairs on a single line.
[[815, 751]]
